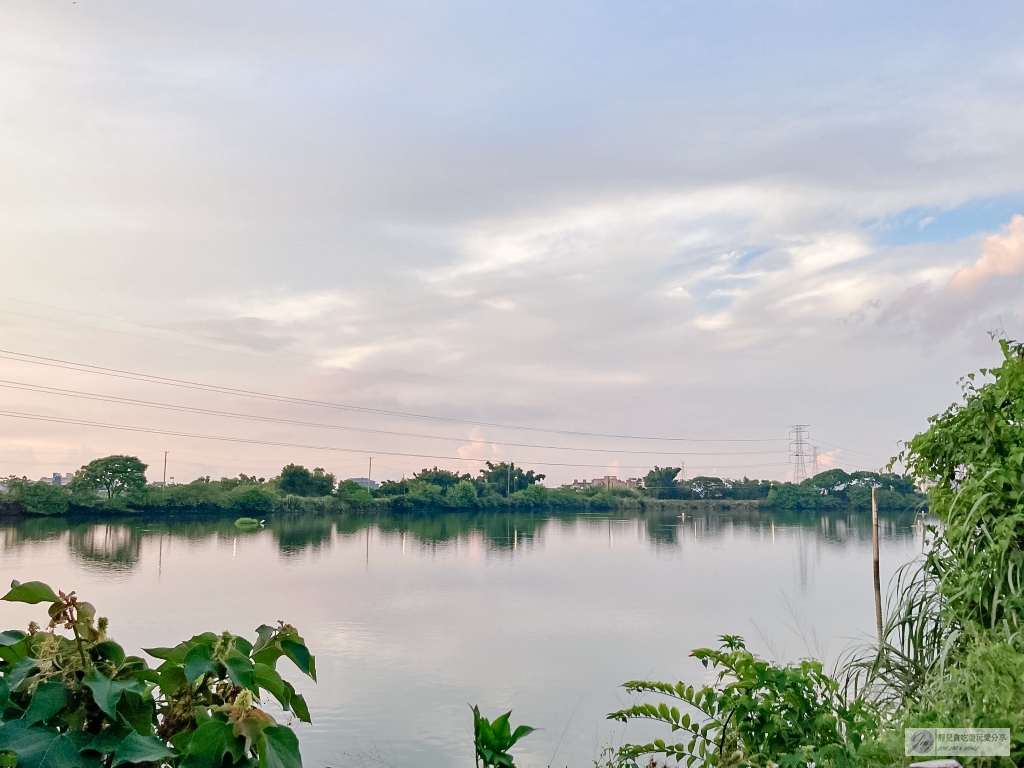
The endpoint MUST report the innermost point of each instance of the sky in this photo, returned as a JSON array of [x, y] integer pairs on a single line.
[[585, 237]]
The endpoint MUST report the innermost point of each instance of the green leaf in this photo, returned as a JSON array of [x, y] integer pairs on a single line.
[[49, 699], [11, 637], [140, 749], [30, 744], [198, 662], [300, 654], [107, 693], [31, 592], [17, 674], [175, 654], [214, 738], [240, 670], [172, 678], [5, 694], [108, 650], [62, 752], [299, 707], [137, 711], [279, 748], [107, 740], [267, 678]]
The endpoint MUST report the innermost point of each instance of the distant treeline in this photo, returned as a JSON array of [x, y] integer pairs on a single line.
[[830, 490], [118, 484]]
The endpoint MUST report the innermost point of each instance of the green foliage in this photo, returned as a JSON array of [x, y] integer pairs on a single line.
[[505, 479], [38, 498], [756, 714], [493, 740], [81, 701], [299, 481], [835, 489], [115, 475], [661, 483]]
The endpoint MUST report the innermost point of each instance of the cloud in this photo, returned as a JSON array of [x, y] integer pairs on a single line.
[[1001, 255]]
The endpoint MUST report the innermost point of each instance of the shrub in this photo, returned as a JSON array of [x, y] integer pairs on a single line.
[[72, 702]]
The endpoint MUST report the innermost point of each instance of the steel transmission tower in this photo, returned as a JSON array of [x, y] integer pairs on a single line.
[[799, 451]]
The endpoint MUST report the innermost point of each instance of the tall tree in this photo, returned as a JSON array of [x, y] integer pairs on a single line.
[[506, 478], [114, 474], [661, 482], [299, 481]]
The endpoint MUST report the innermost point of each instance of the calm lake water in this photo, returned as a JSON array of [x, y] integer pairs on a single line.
[[413, 618]]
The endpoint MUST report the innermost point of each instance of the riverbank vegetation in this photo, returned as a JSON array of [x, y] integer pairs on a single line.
[[950, 654], [117, 484]]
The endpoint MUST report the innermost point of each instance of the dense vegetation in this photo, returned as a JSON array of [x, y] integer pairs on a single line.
[[70, 697], [118, 484]]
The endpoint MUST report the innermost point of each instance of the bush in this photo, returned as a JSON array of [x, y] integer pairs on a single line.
[[70, 702], [38, 498]]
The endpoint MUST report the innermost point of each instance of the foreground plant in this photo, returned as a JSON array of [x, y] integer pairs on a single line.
[[70, 697], [755, 714], [493, 740]]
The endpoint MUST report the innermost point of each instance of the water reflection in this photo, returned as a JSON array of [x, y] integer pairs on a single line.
[[116, 545]]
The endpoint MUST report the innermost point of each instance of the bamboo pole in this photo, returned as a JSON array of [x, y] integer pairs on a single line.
[[874, 557]]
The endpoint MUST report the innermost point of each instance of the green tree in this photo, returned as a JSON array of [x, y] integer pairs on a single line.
[[461, 495], [37, 498], [441, 477], [113, 474], [661, 483], [506, 478], [299, 481]]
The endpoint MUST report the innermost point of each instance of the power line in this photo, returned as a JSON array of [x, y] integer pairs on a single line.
[[252, 441], [185, 384], [292, 422]]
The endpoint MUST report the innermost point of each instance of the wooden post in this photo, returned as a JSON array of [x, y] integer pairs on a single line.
[[874, 557]]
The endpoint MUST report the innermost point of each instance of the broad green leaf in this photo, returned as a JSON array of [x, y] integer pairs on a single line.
[[107, 740], [5, 694], [267, 678], [137, 711], [30, 744], [108, 650], [207, 638], [240, 670], [298, 706], [140, 749], [215, 738], [172, 678], [17, 674], [279, 748], [198, 661], [107, 693], [62, 752], [244, 646], [48, 699], [31, 592], [11, 637], [175, 654], [300, 654]]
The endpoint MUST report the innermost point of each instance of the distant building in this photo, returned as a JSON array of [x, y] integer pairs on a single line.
[[58, 479], [367, 483], [608, 481]]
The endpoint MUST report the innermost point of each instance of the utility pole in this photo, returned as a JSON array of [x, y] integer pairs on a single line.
[[682, 470], [798, 451], [874, 557], [508, 482], [165, 469], [369, 476]]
